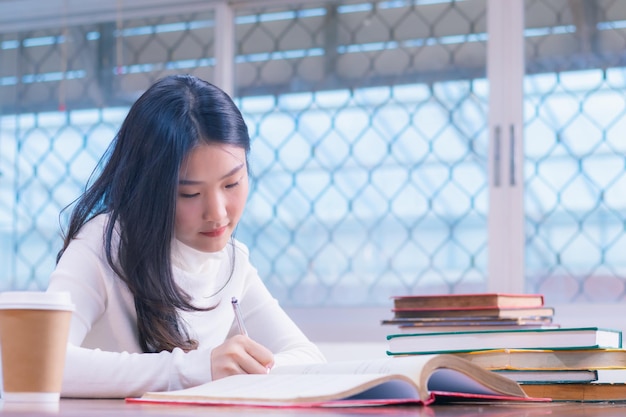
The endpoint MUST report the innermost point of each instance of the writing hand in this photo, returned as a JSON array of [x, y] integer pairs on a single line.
[[240, 355]]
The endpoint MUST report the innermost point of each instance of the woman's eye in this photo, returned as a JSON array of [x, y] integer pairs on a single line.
[[184, 195], [233, 185]]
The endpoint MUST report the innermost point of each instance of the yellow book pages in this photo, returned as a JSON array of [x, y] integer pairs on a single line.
[[547, 359]]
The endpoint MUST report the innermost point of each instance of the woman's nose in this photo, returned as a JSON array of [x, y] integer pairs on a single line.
[[214, 208]]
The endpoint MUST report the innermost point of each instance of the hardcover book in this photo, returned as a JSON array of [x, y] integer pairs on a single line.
[[468, 322], [484, 312], [467, 341], [565, 376], [587, 392], [500, 300], [529, 359]]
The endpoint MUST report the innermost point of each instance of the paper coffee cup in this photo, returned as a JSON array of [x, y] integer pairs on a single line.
[[34, 328]]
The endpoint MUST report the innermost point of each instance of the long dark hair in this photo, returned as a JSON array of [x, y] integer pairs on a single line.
[[137, 188]]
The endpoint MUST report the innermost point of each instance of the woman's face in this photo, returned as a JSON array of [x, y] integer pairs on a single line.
[[212, 193]]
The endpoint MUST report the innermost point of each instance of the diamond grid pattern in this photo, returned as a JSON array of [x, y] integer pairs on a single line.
[[369, 141], [575, 164], [350, 187], [368, 199], [78, 82]]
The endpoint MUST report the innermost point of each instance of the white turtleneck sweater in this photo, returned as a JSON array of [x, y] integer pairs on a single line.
[[104, 357]]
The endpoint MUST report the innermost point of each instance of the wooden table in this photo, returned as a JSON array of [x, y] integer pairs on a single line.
[[118, 408]]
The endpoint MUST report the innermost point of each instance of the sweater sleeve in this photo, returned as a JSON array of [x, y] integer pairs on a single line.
[[93, 373]]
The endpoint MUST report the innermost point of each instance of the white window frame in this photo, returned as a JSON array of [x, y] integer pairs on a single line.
[[505, 72]]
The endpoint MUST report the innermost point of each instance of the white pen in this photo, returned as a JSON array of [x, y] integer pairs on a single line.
[[238, 316], [240, 323]]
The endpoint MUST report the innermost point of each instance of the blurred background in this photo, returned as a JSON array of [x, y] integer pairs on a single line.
[[372, 140]]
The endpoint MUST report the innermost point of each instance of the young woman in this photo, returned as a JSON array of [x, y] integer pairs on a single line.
[[150, 260]]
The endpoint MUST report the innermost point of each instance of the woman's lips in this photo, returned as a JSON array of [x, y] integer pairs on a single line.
[[215, 232]]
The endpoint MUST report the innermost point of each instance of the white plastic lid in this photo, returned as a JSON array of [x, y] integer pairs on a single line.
[[36, 300]]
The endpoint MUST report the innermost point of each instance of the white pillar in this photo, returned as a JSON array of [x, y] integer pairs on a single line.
[[505, 71], [225, 47]]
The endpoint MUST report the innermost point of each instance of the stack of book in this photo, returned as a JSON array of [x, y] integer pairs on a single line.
[[565, 375], [450, 312], [513, 335]]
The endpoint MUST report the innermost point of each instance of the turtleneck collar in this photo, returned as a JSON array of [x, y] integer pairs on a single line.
[[199, 274], [194, 261]]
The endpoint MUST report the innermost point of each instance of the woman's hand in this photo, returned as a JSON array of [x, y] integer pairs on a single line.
[[240, 355]]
